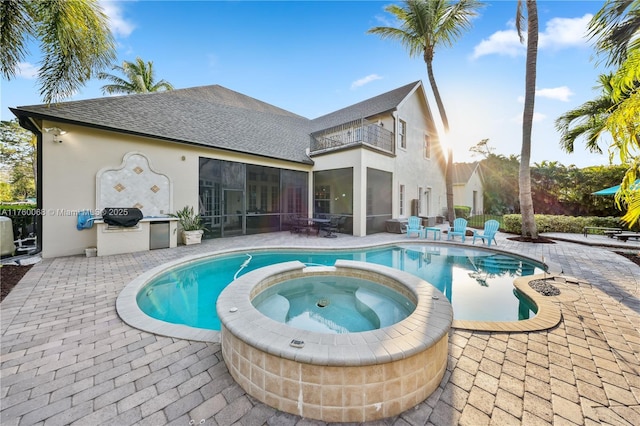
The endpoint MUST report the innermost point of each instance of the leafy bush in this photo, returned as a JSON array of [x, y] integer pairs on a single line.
[[188, 219], [552, 223], [462, 211]]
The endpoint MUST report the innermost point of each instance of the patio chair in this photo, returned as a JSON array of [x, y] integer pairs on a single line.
[[489, 232], [332, 227], [414, 226], [459, 228]]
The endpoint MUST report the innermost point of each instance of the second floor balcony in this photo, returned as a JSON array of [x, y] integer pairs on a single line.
[[355, 133]]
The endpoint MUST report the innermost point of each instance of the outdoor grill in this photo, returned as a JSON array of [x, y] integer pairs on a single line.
[[121, 216]]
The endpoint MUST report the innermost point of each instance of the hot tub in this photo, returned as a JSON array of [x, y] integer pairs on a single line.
[[346, 377]]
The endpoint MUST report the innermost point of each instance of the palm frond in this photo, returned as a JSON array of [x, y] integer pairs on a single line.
[[76, 43], [616, 27], [15, 24]]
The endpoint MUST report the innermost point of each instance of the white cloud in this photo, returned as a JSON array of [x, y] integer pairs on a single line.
[[365, 80], [562, 93], [559, 33], [505, 43], [26, 70], [565, 32], [118, 24]]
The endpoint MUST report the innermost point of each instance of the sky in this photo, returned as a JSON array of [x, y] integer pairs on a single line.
[[314, 57]]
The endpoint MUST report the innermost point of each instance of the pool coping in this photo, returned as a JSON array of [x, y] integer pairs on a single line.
[[548, 315]]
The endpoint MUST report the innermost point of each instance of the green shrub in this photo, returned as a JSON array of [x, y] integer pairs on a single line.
[[462, 211], [552, 223], [478, 221]]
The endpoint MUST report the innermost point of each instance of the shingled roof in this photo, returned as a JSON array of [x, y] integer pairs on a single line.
[[212, 116], [367, 108]]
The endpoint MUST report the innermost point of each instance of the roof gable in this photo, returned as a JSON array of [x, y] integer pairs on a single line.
[[367, 108], [462, 172]]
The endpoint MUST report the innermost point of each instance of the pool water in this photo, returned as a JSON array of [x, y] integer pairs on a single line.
[[478, 283], [333, 304]]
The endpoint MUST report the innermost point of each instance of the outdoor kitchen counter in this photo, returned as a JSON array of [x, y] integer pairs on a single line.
[[118, 240]]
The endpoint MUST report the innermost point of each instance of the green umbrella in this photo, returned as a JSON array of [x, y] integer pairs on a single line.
[[614, 189]]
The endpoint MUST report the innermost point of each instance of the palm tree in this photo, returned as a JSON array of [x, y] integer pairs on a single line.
[[139, 78], [624, 126], [529, 228], [74, 37], [425, 25], [616, 27], [587, 120]]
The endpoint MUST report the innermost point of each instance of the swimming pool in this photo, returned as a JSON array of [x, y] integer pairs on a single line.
[[478, 283]]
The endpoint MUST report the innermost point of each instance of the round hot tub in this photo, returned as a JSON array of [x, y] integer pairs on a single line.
[[334, 304], [336, 376]]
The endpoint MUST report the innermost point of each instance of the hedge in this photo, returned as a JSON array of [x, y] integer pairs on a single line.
[[568, 224], [462, 211]]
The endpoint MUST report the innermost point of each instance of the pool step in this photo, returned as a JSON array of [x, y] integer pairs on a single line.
[[380, 305], [275, 307]]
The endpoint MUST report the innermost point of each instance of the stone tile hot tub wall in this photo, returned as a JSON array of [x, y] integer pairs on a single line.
[[352, 377]]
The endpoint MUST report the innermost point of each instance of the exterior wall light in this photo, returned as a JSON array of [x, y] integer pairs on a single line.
[[57, 132]]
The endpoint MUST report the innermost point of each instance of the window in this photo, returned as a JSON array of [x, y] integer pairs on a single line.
[[402, 200], [253, 197], [263, 198], [402, 134], [475, 203], [427, 146], [419, 201]]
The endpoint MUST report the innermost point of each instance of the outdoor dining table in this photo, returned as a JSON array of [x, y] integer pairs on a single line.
[[315, 222]]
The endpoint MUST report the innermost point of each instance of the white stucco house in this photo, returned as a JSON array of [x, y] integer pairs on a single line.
[[468, 186], [246, 165]]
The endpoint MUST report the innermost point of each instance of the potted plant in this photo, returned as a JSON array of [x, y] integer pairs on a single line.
[[191, 224]]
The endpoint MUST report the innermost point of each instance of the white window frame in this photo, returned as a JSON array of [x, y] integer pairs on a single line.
[[427, 146], [402, 134], [401, 197]]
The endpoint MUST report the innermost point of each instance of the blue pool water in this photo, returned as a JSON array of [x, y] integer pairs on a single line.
[[478, 283], [333, 304]]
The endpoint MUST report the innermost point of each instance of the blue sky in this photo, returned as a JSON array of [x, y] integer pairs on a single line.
[[315, 57]]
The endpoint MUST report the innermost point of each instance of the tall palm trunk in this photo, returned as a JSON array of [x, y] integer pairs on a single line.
[[436, 93], [529, 228], [445, 124]]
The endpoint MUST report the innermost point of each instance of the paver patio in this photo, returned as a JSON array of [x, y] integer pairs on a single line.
[[67, 358]]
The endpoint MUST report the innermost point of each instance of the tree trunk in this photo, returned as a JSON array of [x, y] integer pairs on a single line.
[[445, 124], [436, 95], [449, 186], [529, 228]]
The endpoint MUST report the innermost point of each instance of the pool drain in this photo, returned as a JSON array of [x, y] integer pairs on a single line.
[[322, 303]]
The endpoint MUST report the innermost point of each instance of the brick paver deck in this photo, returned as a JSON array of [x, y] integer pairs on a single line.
[[67, 358]]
